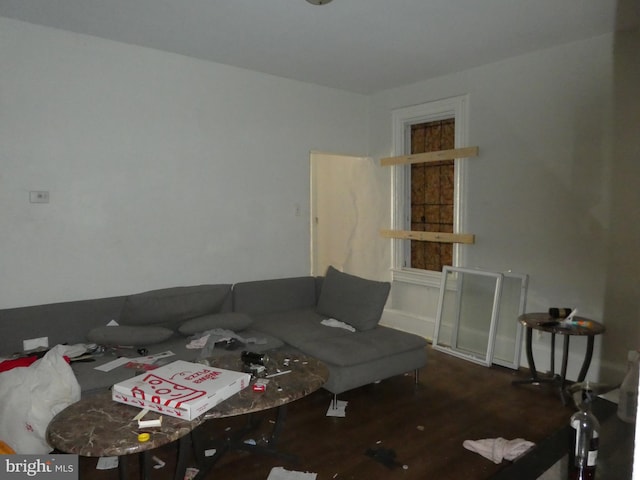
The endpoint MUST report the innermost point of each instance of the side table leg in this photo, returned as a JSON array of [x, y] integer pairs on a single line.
[[533, 379], [563, 372], [552, 360], [532, 363], [565, 359], [587, 359]]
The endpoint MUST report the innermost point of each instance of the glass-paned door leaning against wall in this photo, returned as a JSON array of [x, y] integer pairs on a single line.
[[432, 194]]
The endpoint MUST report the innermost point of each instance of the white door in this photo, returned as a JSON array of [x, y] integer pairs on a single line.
[[341, 190]]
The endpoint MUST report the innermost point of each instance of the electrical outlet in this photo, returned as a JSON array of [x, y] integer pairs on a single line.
[[33, 343]]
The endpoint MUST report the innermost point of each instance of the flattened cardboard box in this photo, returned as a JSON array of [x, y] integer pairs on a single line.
[[180, 389]]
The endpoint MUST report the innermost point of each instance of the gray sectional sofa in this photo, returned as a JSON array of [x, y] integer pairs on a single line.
[[270, 314]]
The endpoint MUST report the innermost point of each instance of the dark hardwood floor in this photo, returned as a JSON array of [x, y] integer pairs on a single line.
[[424, 425]]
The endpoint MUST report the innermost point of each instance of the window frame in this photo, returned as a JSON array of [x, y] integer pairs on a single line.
[[403, 118]]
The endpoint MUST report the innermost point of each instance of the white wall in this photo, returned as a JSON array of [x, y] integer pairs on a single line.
[[540, 191], [162, 170]]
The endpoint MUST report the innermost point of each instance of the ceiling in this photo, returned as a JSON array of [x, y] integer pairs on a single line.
[[362, 46]]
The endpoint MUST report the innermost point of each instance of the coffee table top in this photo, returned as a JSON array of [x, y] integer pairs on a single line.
[[98, 426], [306, 375]]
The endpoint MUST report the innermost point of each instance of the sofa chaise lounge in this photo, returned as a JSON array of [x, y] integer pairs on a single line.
[[333, 318]]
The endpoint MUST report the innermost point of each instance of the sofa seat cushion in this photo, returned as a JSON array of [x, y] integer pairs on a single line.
[[353, 300], [235, 322], [362, 347], [129, 335], [175, 304], [296, 326]]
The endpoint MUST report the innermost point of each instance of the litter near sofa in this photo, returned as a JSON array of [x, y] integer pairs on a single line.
[[279, 473], [337, 408], [497, 449], [221, 336], [137, 363]]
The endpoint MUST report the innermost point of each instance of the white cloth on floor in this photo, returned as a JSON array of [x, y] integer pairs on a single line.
[[497, 449], [332, 322], [279, 473]]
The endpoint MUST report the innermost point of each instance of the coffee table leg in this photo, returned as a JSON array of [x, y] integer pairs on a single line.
[[184, 444], [277, 428], [122, 468], [144, 465], [270, 449]]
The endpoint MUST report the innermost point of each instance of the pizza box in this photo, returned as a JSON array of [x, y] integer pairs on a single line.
[[180, 389]]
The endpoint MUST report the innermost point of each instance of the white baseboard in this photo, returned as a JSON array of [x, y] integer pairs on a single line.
[[409, 322]]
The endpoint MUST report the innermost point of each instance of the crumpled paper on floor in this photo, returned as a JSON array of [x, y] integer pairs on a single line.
[[279, 473], [497, 449]]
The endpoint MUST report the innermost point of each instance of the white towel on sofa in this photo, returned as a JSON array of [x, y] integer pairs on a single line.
[[332, 322]]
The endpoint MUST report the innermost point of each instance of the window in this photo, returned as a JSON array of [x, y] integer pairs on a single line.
[[418, 128], [432, 194]]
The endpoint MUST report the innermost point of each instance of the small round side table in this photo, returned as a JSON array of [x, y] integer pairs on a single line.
[[544, 322]]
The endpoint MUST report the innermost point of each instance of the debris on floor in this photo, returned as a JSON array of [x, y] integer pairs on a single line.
[[279, 473], [190, 473], [158, 462], [337, 409], [107, 463], [385, 456]]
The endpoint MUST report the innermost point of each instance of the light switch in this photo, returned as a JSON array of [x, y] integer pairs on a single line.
[[39, 196]]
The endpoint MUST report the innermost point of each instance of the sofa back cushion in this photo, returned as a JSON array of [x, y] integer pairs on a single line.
[[276, 295], [233, 321], [65, 322], [173, 305], [353, 300], [129, 335]]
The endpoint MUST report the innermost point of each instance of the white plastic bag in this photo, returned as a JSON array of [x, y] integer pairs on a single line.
[[31, 396]]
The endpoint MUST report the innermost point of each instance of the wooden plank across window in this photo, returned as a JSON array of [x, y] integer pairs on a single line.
[[441, 237], [438, 156]]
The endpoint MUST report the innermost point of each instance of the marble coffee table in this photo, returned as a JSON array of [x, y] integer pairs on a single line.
[[97, 426]]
